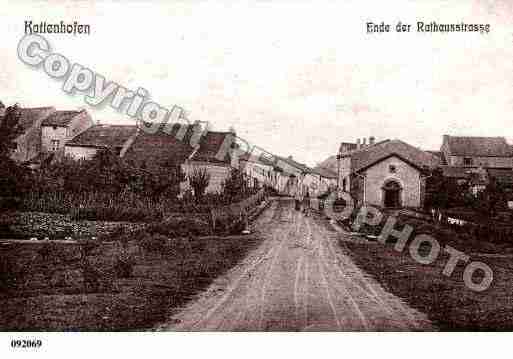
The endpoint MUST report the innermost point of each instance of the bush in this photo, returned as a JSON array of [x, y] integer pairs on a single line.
[[96, 280], [155, 243], [180, 227], [11, 276], [124, 267]]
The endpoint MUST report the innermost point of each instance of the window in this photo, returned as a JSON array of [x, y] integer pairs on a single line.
[[344, 185], [467, 161], [392, 168], [55, 145]]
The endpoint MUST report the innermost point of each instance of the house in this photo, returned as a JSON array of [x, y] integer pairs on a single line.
[[259, 171], [60, 127], [114, 137], [215, 154], [490, 152], [189, 146], [28, 144], [291, 176], [387, 174], [326, 180]]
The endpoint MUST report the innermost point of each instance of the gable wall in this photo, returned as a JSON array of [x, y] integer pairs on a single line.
[[407, 176], [79, 124]]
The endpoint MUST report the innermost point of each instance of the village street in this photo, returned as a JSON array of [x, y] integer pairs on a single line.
[[298, 279]]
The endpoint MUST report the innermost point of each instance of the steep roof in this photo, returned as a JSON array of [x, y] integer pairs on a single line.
[[324, 172], [330, 163], [256, 159], [60, 118], [436, 153], [28, 116], [161, 147], [367, 156], [347, 146], [478, 146], [291, 162], [103, 136], [210, 146]]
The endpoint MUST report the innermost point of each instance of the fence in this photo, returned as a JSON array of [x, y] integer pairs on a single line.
[[237, 211]]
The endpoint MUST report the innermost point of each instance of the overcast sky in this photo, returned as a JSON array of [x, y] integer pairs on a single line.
[[293, 77]]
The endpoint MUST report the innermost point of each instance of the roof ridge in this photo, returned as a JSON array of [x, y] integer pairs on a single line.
[[367, 147]]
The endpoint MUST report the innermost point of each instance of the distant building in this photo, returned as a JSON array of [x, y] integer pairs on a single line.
[[291, 176], [216, 155], [491, 152], [60, 127], [113, 137], [258, 170], [29, 143], [188, 146], [387, 174], [325, 181]]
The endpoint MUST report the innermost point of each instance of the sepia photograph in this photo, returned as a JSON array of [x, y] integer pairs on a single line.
[[177, 167]]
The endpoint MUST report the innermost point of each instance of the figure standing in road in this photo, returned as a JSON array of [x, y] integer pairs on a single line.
[[306, 204]]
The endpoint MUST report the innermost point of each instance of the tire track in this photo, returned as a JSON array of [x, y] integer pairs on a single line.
[[270, 272], [338, 287], [369, 290]]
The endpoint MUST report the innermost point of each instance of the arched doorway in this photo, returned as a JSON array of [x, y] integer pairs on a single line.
[[392, 194]]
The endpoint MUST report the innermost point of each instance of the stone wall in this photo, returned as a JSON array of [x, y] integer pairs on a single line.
[[407, 176]]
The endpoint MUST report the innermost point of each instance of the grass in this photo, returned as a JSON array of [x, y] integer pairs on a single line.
[[101, 206], [446, 300], [51, 296]]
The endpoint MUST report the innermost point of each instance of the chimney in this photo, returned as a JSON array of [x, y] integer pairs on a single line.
[[364, 143], [357, 143], [371, 140]]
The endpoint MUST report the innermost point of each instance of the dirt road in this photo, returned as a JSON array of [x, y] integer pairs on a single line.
[[299, 279]]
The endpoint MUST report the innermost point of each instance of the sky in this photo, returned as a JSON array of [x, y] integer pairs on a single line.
[[292, 77]]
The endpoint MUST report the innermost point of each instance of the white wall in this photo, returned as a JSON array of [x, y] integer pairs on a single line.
[[217, 175], [49, 133], [258, 171], [407, 176], [344, 173], [77, 153]]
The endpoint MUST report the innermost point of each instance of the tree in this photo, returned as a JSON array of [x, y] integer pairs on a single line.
[[490, 199], [443, 192], [234, 187], [10, 129], [12, 175], [164, 179], [199, 180]]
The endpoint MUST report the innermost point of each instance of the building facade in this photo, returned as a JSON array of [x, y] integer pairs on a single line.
[[60, 127], [388, 174], [490, 152]]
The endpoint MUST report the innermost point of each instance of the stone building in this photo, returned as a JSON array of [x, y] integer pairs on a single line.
[[29, 143], [60, 127], [325, 181], [490, 152], [259, 171], [189, 146], [388, 174], [114, 137]]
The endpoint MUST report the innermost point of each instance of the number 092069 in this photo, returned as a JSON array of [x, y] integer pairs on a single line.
[[26, 343]]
